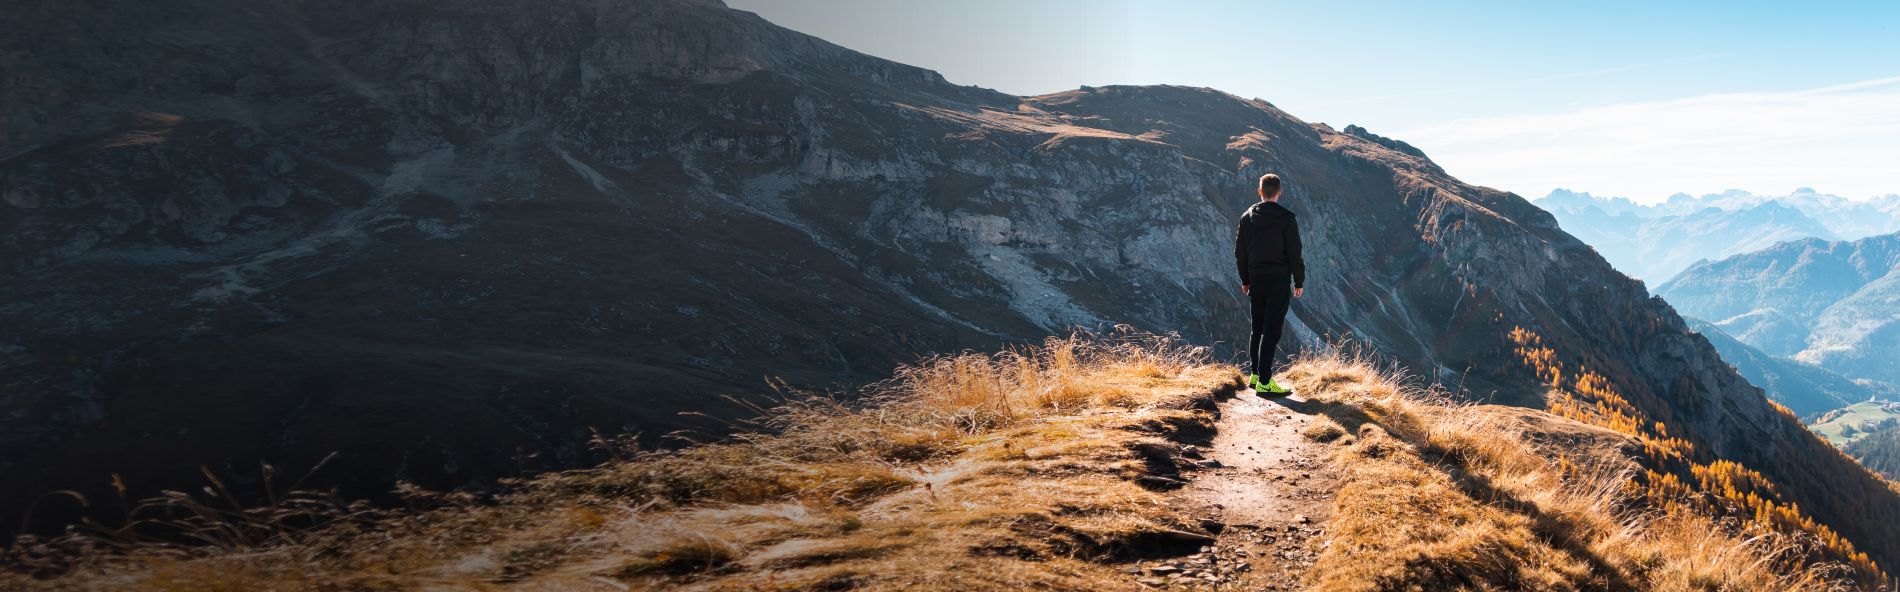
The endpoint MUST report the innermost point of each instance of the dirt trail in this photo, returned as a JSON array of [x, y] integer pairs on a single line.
[[1272, 492]]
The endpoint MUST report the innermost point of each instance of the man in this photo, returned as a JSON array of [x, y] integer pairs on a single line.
[[1267, 251]]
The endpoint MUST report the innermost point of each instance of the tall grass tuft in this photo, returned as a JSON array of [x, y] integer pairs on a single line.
[[964, 471], [1447, 495]]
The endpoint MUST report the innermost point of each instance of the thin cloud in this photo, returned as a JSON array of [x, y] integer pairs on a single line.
[[1469, 89], [1853, 86], [1842, 139]]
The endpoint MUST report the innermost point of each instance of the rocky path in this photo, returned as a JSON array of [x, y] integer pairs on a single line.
[[1269, 490]]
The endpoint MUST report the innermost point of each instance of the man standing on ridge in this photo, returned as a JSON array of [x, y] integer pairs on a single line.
[[1267, 251]]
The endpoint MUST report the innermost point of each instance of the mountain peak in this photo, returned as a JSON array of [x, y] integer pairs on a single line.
[[1396, 145]]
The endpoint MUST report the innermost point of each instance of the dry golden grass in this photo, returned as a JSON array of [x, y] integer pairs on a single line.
[[1445, 496], [1014, 470], [1019, 470]]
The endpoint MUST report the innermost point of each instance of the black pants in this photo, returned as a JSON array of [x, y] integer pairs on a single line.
[[1272, 293]]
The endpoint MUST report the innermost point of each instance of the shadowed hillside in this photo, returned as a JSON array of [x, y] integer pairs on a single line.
[[1806, 389], [1879, 451]]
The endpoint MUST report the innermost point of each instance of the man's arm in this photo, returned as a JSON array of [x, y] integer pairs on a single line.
[[1242, 234], [1293, 258]]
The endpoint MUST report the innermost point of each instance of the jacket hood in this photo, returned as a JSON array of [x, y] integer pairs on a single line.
[[1267, 212]]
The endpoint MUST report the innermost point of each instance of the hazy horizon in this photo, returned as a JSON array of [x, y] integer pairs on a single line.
[[1698, 195], [1620, 99]]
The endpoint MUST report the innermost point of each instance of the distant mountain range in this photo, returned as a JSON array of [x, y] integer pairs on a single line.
[[1833, 304], [1786, 298], [1812, 322], [1654, 242]]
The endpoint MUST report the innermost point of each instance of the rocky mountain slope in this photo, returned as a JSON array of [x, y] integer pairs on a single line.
[[1656, 242], [1831, 304], [1806, 389], [447, 240]]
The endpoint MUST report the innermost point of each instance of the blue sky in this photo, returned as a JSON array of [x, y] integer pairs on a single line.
[[1639, 99]]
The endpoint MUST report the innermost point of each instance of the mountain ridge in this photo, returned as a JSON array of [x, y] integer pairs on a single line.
[[1656, 242], [458, 263], [1824, 303], [1806, 389]]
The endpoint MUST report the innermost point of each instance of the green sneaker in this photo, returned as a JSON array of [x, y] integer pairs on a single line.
[[1253, 382], [1273, 387]]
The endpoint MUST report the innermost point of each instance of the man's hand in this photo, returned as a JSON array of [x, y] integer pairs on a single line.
[[1298, 292], [1244, 288]]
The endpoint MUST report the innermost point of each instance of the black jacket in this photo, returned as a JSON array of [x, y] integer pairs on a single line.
[[1268, 241]]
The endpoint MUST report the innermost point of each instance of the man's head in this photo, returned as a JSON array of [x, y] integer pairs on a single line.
[[1269, 187]]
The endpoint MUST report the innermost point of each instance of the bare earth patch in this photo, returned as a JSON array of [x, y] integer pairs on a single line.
[[1266, 488]]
